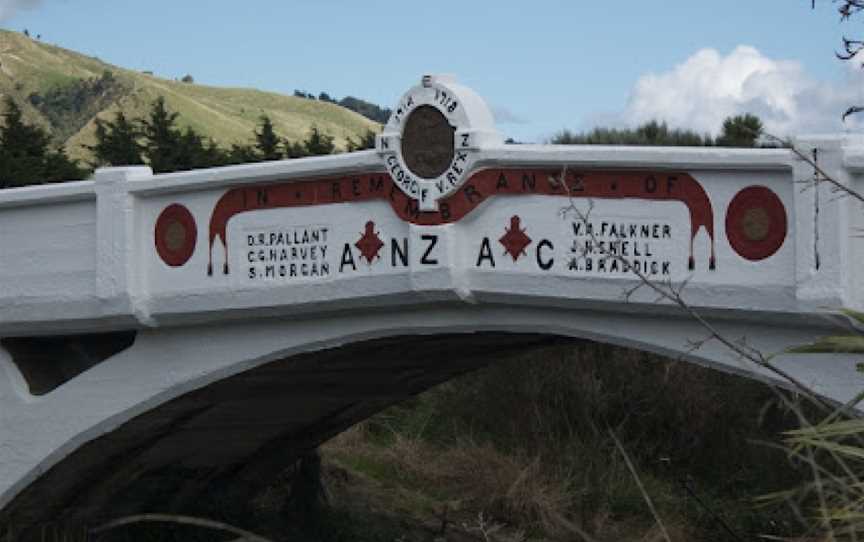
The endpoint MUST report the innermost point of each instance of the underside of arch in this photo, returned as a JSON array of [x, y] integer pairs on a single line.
[[229, 407], [46, 363], [239, 432]]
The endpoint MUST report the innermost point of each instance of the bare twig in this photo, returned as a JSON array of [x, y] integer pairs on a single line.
[[823, 175], [667, 291], [575, 528], [638, 480]]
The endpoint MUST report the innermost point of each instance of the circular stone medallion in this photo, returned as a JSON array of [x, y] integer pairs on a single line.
[[756, 223], [434, 138], [427, 142], [175, 235]]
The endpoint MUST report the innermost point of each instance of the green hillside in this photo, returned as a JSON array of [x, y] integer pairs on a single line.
[[64, 91]]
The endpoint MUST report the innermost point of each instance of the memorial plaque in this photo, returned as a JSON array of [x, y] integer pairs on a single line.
[[431, 142], [427, 142]]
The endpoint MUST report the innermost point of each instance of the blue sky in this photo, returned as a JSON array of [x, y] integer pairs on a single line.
[[543, 65]]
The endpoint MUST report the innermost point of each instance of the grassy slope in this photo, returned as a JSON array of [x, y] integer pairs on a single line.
[[227, 115]]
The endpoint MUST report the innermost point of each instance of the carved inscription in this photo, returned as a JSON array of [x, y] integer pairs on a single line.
[[288, 254], [609, 247]]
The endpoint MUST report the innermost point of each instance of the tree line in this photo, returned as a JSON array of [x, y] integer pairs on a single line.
[[157, 141], [27, 157], [369, 110], [737, 131]]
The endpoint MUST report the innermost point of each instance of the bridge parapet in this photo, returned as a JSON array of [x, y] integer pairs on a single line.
[[747, 228]]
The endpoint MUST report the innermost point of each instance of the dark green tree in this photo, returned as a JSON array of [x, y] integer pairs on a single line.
[[162, 138], [267, 143], [190, 153], [650, 133], [195, 152], [367, 109], [740, 131], [213, 155], [25, 155], [117, 142], [318, 143], [296, 149], [241, 154], [167, 148], [59, 167], [366, 141]]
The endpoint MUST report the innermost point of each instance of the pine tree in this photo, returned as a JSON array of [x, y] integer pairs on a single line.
[[162, 139], [241, 154], [117, 142], [267, 143], [740, 131], [213, 155], [190, 151], [59, 167], [296, 149], [650, 133], [196, 152], [318, 143], [22, 149], [167, 148], [366, 141], [25, 156]]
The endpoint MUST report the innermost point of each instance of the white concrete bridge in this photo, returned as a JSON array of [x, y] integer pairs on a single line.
[[220, 319]]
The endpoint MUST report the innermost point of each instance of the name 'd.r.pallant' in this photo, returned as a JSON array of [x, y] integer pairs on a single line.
[[296, 252]]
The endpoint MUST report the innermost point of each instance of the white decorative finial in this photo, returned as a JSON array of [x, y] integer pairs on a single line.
[[428, 79]]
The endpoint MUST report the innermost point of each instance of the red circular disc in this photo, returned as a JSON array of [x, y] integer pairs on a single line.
[[175, 235], [756, 223]]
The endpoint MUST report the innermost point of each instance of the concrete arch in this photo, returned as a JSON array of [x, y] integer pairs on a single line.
[[150, 402]]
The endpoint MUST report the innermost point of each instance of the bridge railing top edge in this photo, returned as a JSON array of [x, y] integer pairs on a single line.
[[317, 166], [48, 193], [627, 157], [645, 157]]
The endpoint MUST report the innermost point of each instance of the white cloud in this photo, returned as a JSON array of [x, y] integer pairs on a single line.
[[708, 87], [10, 8]]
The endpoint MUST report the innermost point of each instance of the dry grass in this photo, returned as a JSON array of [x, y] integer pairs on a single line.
[[526, 443], [525, 493], [517, 490], [513, 490]]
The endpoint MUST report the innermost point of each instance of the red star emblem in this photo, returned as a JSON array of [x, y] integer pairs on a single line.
[[515, 241], [369, 244]]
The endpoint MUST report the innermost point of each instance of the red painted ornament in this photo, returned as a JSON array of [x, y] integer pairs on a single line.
[[515, 241], [369, 244], [756, 223], [175, 235]]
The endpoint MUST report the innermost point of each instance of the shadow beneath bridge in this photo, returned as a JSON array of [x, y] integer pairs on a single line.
[[233, 437]]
